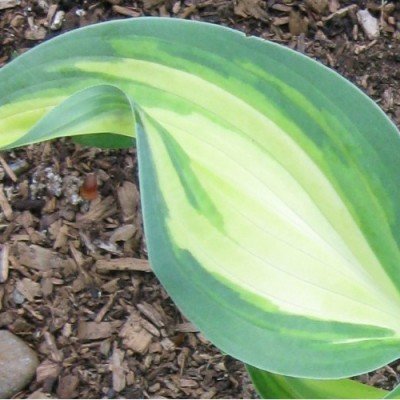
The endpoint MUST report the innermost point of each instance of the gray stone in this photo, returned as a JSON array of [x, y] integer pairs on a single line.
[[18, 364]]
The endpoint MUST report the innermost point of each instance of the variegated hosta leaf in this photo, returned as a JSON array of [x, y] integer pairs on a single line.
[[270, 185], [272, 386]]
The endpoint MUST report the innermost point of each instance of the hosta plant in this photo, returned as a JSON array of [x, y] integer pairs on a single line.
[[270, 188]]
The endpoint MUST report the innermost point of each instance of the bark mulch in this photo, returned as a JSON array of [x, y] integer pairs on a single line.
[[75, 284]]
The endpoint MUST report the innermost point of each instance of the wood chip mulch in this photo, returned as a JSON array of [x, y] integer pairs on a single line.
[[78, 288]]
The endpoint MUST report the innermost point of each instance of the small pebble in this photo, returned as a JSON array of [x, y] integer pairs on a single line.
[[57, 21], [18, 363], [80, 12], [18, 297], [369, 24]]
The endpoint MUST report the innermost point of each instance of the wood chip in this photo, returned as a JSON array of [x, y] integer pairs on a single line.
[[186, 327], [127, 11], [318, 6], [76, 255], [118, 373], [123, 233], [98, 211], [33, 313], [87, 242], [35, 33], [341, 12], [387, 99], [297, 24], [188, 11], [4, 262], [123, 264], [1, 297], [333, 6], [251, 8], [94, 330], [67, 387], [5, 205], [105, 309], [38, 394], [8, 4], [47, 286], [209, 394], [155, 348], [176, 7], [29, 289], [280, 21], [148, 4], [163, 12], [151, 313], [51, 12], [25, 219], [47, 370], [56, 354], [150, 328], [167, 344], [134, 336], [183, 358], [281, 7], [40, 258], [6, 167], [67, 330], [190, 383], [111, 286], [128, 197], [154, 388], [61, 238]]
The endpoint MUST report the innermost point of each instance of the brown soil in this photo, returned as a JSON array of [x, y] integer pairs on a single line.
[[103, 332]]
